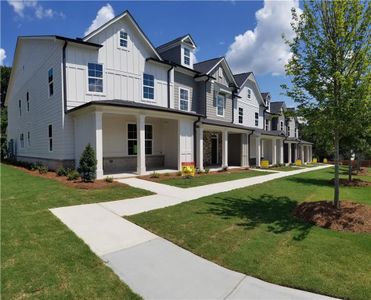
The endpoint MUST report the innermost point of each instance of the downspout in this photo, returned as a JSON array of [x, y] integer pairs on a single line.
[[168, 86], [195, 140], [64, 76], [205, 109]]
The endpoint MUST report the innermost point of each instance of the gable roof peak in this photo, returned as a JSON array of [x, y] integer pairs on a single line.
[[179, 39]]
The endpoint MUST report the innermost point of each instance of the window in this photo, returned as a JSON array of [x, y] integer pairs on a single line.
[[21, 138], [51, 82], [123, 39], [132, 139], [248, 93], [187, 56], [220, 73], [28, 101], [281, 125], [220, 105], [184, 99], [240, 115], [148, 86], [288, 130], [148, 139], [256, 119], [95, 77], [266, 125], [50, 134], [20, 107], [28, 139]]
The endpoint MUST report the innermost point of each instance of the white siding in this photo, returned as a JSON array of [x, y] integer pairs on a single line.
[[30, 72], [123, 68], [186, 141]]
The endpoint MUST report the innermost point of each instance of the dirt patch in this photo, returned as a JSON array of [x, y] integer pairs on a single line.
[[350, 216], [164, 176], [97, 184], [355, 182]]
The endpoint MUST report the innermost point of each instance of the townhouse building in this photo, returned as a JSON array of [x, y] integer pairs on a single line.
[[141, 107]]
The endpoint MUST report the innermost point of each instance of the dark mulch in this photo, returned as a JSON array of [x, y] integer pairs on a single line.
[[355, 182], [97, 184], [350, 216]]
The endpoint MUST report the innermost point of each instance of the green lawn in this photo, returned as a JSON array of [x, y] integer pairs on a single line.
[[251, 230], [210, 178], [40, 257]]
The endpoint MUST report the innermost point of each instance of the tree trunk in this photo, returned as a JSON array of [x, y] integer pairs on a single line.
[[350, 170], [336, 181]]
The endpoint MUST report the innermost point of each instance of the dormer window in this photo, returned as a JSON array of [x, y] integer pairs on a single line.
[[123, 39], [249, 94], [281, 126], [187, 56], [220, 73], [266, 125]]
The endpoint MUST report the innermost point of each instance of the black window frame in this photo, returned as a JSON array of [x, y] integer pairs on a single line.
[[148, 87], [51, 82], [95, 78], [240, 115]]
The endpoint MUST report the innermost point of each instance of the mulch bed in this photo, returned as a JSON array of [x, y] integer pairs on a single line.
[[350, 216], [97, 184], [162, 176], [355, 182]]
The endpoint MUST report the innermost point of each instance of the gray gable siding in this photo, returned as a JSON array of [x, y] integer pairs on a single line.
[[172, 54], [211, 93], [185, 81]]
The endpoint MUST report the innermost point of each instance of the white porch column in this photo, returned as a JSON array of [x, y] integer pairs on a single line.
[[99, 143], [307, 154], [289, 153], [141, 151], [281, 152], [310, 153], [225, 149], [302, 156], [257, 151], [200, 148], [295, 152], [244, 150], [274, 151]]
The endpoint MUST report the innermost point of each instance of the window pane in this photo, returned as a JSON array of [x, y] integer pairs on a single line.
[[132, 131], [50, 144], [50, 75], [132, 147], [186, 60], [51, 89], [148, 132], [50, 131], [186, 51], [148, 147]]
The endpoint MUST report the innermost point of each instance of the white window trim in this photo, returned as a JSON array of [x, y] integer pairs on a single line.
[[190, 57], [220, 72], [239, 115], [189, 96], [136, 139], [247, 95], [256, 119], [266, 125], [154, 90], [103, 78], [224, 99], [51, 82], [119, 40]]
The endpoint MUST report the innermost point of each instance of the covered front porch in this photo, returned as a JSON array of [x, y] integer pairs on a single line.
[[266, 147], [297, 150], [130, 141], [220, 147]]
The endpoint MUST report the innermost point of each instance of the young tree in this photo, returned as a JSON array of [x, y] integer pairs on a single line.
[[329, 68], [88, 164], [4, 81]]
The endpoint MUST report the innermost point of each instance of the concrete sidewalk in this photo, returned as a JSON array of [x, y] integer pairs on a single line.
[[156, 268]]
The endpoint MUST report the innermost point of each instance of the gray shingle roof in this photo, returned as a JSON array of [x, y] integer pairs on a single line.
[[241, 78], [276, 107], [178, 39], [207, 65], [264, 95]]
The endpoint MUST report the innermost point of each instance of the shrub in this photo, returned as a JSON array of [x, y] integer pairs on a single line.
[[61, 171], [207, 170], [179, 173], [109, 179], [88, 164], [43, 169], [73, 175], [154, 175]]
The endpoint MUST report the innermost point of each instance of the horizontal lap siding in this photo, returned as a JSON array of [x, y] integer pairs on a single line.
[[35, 58]]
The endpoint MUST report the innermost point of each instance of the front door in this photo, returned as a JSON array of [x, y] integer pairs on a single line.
[[214, 150]]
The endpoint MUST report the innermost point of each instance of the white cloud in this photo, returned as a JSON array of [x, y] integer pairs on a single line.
[[263, 50], [19, 7], [2, 56], [104, 14]]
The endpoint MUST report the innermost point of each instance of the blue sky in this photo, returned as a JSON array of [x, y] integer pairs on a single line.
[[258, 26]]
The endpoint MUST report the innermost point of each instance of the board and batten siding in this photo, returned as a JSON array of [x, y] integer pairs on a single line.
[[123, 68], [34, 59]]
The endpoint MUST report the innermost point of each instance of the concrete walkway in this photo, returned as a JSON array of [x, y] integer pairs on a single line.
[[156, 268]]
